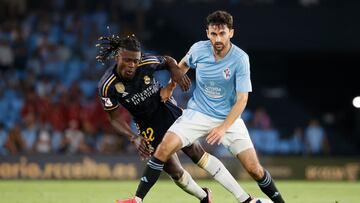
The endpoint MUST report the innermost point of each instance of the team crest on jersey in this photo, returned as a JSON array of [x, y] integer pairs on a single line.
[[120, 87], [227, 73], [146, 79]]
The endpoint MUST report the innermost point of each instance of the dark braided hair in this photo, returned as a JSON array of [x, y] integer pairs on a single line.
[[109, 46]]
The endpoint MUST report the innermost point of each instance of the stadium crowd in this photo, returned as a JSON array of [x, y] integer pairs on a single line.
[[48, 87]]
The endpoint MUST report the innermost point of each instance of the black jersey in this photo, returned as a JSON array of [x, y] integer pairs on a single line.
[[141, 97]]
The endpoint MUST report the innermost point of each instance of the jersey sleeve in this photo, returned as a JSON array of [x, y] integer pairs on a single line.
[[243, 81], [108, 100], [154, 63], [191, 57]]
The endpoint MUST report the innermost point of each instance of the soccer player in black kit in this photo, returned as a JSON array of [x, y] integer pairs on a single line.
[[131, 84]]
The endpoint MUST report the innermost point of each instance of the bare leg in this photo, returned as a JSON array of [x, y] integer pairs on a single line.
[[250, 161]]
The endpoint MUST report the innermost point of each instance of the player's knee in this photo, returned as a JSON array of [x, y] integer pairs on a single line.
[[256, 171], [162, 152], [195, 152]]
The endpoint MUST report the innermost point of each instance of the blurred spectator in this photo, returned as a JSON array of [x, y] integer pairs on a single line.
[[74, 141], [6, 54], [43, 143], [265, 138], [110, 143], [297, 141], [30, 132], [261, 119], [293, 144], [315, 138], [15, 143], [3, 138]]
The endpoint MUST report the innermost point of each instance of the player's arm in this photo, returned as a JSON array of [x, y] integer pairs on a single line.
[[218, 132], [178, 74], [122, 128], [166, 92]]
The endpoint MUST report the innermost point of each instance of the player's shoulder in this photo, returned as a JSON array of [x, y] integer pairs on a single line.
[[202, 45], [238, 52], [106, 81], [147, 59]]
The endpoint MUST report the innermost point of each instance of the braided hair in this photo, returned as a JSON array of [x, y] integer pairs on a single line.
[[109, 46]]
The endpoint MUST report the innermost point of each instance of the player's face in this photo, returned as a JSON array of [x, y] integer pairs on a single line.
[[127, 62], [219, 36]]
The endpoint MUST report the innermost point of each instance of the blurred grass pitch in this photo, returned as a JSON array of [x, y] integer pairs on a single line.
[[73, 191]]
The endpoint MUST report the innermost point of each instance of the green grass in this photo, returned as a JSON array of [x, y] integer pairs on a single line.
[[165, 191]]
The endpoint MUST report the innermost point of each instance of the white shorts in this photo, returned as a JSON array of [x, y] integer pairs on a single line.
[[193, 125]]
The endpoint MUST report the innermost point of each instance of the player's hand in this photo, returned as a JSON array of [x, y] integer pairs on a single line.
[[215, 135], [140, 145], [183, 80]]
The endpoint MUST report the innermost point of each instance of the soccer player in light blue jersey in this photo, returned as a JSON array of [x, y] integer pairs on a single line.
[[221, 94]]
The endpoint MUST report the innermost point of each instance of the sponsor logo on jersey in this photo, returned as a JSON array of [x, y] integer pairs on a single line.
[[146, 79], [213, 90]]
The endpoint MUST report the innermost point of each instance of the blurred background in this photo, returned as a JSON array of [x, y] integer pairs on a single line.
[[303, 54]]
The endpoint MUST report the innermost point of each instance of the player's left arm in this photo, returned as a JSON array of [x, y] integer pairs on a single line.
[[215, 135], [178, 73]]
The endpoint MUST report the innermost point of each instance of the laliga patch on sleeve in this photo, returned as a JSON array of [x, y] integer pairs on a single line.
[[106, 101]]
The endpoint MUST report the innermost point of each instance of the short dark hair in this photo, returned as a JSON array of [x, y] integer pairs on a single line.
[[109, 46], [220, 18]]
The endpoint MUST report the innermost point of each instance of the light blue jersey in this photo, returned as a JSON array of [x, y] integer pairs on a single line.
[[217, 82]]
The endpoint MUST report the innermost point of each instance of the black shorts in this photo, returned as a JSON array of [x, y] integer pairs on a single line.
[[154, 127]]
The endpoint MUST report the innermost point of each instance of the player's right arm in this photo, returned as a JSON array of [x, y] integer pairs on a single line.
[[122, 128], [111, 105]]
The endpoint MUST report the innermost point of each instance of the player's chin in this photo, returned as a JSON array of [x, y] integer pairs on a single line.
[[129, 76], [219, 48]]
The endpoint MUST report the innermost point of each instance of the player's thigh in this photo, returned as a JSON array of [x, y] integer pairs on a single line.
[[190, 126], [194, 151], [237, 138], [173, 167]]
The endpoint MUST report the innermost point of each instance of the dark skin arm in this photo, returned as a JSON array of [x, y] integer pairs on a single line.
[[178, 75], [122, 128], [166, 92]]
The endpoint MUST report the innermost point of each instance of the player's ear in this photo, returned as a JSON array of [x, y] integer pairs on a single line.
[[207, 34], [231, 33]]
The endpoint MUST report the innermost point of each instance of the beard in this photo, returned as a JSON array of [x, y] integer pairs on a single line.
[[218, 47]]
